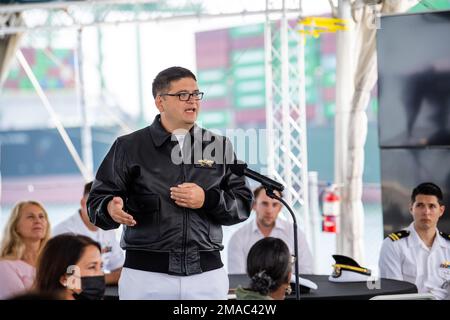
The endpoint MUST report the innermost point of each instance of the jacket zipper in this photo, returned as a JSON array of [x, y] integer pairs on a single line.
[[185, 218]]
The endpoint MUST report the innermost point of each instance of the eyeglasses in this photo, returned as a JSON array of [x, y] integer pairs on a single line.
[[185, 96]]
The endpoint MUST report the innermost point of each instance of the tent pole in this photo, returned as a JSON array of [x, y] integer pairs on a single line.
[[86, 135], [57, 122], [344, 90]]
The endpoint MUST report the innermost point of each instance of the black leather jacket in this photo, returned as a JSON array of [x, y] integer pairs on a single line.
[[168, 238]]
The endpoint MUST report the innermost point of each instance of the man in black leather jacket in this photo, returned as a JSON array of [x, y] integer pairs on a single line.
[[171, 188]]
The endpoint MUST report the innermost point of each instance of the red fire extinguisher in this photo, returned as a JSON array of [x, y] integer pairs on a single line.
[[330, 208]]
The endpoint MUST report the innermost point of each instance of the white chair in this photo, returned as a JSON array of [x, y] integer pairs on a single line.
[[408, 296]]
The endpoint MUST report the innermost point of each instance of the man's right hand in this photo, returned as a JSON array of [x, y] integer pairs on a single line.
[[115, 210]]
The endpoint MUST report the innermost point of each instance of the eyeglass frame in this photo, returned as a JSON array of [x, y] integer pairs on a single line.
[[199, 94]]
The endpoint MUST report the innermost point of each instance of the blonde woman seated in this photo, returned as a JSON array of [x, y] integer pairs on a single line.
[[70, 266], [269, 265], [26, 233]]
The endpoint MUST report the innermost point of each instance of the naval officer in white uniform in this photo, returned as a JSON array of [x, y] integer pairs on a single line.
[[420, 254]]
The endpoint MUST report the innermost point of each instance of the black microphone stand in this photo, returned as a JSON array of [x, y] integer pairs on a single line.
[[271, 194]]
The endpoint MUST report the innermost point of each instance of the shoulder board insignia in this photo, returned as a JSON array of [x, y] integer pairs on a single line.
[[398, 235], [445, 235]]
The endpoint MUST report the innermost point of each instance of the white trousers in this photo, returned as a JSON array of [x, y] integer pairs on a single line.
[[144, 285]]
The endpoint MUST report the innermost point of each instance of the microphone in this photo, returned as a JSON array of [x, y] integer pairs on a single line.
[[241, 169]]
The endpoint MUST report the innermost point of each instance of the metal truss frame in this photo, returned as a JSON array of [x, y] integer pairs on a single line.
[[286, 111], [56, 15]]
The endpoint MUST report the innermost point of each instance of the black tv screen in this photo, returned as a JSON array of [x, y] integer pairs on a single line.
[[413, 53]]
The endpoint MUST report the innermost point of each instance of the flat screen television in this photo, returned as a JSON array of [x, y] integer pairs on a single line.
[[413, 53]]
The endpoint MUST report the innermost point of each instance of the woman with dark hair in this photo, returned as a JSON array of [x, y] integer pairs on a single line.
[[269, 265], [71, 265]]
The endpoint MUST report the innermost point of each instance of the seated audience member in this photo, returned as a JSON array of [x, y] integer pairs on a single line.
[[25, 234], [79, 223], [269, 265], [71, 266], [266, 224], [420, 253]]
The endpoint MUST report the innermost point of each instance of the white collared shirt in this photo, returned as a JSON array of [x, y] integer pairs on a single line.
[[409, 259], [247, 235], [112, 255]]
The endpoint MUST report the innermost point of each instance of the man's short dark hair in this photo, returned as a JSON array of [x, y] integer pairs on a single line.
[[87, 188], [428, 189], [261, 188], [164, 78]]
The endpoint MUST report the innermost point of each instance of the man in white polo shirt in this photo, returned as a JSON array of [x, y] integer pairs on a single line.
[[266, 224], [112, 254]]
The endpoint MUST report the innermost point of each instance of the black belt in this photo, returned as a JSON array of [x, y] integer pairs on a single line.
[[159, 261]]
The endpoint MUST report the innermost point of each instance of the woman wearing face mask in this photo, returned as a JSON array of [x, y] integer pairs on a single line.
[[72, 266], [26, 233]]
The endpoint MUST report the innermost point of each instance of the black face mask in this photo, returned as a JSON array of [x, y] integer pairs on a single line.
[[93, 288]]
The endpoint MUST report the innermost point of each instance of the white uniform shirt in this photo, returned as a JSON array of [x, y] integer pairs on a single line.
[[409, 259], [112, 255], [247, 235]]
